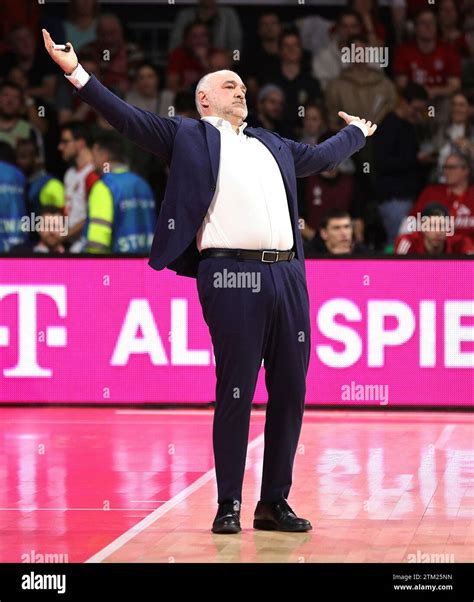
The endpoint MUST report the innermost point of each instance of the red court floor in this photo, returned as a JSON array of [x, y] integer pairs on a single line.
[[110, 485]]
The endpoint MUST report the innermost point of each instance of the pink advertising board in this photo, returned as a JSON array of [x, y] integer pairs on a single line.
[[384, 332]]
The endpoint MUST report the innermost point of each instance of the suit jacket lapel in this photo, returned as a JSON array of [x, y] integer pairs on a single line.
[[213, 138]]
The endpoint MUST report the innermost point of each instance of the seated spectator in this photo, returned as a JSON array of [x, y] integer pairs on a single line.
[[455, 194], [336, 235], [458, 133], [314, 122], [361, 89], [373, 28], [327, 64], [429, 62], [435, 237], [397, 158], [51, 233], [80, 28], [12, 126], [298, 86], [75, 146], [26, 54], [118, 59], [121, 210], [146, 94], [262, 56], [43, 188], [222, 21], [189, 62], [12, 200], [328, 190], [270, 108], [448, 23]]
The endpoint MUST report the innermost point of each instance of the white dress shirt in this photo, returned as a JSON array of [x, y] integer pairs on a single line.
[[250, 208]]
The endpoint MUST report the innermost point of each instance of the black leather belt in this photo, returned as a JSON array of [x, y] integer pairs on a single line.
[[264, 256]]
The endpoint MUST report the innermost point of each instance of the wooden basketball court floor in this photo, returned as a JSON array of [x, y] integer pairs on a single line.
[[134, 485]]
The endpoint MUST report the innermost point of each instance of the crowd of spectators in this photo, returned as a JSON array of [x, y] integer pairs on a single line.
[[58, 158]]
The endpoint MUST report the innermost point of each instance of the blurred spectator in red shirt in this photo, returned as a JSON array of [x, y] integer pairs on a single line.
[[118, 59], [81, 26], [373, 27], [435, 236], [223, 23], [17, 12], [189, 62], [429, 62], [456, 194]]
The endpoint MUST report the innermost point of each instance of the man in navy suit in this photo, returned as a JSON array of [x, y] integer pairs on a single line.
[[229, 218]]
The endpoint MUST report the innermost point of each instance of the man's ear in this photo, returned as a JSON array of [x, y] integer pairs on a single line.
[[203, 99], [323, 234]]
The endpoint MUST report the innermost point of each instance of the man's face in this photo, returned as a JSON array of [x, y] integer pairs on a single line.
[[50, 234], [455, 171], [22, 42], [10, 102], [68, 147], [147, 81], [269, 27], [26, 158], [100, 158], [436, 236], [198, 38], [109, 34], [226, 97], [338, 235], [425, 27], [272, 105], [348, 27], [291, 49]]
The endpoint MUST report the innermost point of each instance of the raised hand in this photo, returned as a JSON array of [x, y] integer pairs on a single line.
[[66, 60], [350, 118]]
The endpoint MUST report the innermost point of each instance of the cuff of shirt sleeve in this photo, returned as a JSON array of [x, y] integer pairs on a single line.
[[79, 77], [358, 123]]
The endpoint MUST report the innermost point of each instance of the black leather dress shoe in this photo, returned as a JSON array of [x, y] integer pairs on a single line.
[[227, 518], [279, 517]]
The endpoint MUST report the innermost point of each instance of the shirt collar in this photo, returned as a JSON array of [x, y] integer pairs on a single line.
[[219, 123]]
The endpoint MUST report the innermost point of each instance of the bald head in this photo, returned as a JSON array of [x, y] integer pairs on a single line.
[[222, 94]]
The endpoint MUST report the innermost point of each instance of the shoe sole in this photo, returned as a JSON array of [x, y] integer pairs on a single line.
[[227, 531], [268, 525]]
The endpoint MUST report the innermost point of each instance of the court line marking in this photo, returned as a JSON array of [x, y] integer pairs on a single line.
[[444, 436], [161, 511]]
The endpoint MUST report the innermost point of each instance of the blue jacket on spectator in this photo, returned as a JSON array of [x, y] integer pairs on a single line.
[[12, 206]]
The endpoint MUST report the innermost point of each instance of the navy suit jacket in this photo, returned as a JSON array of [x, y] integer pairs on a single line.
[[192, 149]]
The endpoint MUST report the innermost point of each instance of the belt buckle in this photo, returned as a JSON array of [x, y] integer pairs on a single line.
[[269, 260]]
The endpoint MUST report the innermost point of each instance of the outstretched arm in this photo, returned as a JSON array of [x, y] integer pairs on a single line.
[[153, 133], [327, 155]]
